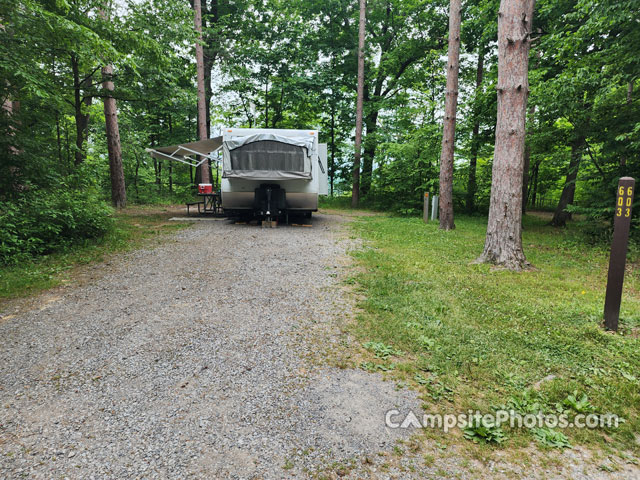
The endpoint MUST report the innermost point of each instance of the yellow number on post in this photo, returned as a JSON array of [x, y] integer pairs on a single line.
[[630, 191], [618, 212], [621, 191], [620, 200], [628, 201], [628, 213]]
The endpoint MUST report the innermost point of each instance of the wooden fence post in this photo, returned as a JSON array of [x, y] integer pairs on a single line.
[[425, 208]]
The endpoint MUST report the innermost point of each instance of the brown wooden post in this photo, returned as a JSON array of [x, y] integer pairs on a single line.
[[621, 224], [425, 208]]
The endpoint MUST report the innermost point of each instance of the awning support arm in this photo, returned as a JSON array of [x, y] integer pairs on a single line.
[[192, 163]]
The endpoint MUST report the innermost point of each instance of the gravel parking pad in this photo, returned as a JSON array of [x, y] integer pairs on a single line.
[[188, 360]]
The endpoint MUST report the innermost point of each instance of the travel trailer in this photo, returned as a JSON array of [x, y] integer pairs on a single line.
[[272, 173], [266, 173]]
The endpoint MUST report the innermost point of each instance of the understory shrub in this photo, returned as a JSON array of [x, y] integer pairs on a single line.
[[41, 222]]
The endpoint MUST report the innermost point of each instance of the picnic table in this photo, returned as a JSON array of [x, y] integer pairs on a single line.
[[210, 204]]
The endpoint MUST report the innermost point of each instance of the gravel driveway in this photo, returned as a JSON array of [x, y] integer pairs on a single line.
[[191, 360]]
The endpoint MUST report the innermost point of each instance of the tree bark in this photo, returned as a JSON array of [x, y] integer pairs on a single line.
[[472, 185], [116, 171], [355, 190], [210, 17], [503, 243], [561, 216], [450, 106], [202, 109], [118, 189]]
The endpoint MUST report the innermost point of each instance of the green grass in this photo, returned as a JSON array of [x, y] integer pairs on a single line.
[[473, 337], [133, 228]]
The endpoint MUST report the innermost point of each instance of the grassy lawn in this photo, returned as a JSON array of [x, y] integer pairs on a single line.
[[471, 337], [134, 227]]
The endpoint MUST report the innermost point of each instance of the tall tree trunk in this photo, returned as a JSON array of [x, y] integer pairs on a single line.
[[202, 102], [118, 190], [450, 106], [503, 243], [561, 216], [209, 15], [472, 185], [355, 190]]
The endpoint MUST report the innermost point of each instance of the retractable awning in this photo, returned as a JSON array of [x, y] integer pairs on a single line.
[[187, 152]]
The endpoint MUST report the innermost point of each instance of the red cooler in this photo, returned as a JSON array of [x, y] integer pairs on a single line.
[[205, 188]]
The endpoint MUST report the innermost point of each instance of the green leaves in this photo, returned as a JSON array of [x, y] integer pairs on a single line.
[[42, 222], [480, 431], [382, 351], [578, 403], [551, 438]]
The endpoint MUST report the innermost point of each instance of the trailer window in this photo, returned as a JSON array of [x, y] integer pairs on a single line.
[[268, 155]]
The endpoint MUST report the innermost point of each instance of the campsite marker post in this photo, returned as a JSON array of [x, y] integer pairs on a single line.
[[621, 223], [425, 208]]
